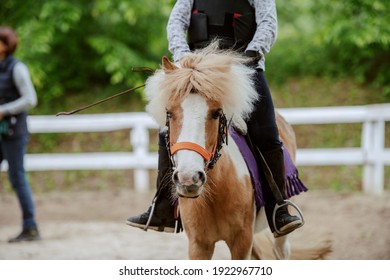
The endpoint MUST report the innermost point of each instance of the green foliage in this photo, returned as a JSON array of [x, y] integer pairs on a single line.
[[331, 38], [81, 47], [357, 38], [72, 45]]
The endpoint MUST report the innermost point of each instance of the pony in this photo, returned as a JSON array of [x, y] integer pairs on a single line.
[[197, 100]]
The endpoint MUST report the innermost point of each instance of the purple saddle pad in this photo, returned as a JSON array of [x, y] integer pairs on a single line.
[[294, 185]]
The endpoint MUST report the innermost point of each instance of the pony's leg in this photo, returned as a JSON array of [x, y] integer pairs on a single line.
[[256, 252], [200, 251], [282, 248], [241, 246], [261, 222]]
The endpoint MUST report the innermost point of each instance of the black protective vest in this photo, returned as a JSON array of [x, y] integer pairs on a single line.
[[8, 93], [232, 20], [8, 90]]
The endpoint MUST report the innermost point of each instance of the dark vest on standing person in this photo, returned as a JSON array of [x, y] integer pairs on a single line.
[[8, 93], [231, 21]]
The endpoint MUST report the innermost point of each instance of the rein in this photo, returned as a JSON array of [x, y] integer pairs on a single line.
[[210, 158], [99, 102], [135, 69]]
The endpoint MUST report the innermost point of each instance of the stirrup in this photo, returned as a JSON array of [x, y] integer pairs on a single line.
[[177, 226], [176, 229], [286, 203], [150, 215]]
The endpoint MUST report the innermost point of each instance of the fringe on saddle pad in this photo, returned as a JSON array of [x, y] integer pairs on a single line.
[[294, 185]]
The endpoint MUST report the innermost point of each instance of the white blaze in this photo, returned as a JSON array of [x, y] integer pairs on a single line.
[[193, 130]]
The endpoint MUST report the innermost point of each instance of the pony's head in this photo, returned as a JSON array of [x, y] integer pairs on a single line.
[[192, 99]]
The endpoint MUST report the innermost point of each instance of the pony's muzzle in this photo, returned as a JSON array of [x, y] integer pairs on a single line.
[[189, 184]]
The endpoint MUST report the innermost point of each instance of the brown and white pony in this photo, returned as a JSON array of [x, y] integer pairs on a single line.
[[193, 99]]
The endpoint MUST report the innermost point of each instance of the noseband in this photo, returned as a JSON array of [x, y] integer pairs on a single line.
[[210, 158]]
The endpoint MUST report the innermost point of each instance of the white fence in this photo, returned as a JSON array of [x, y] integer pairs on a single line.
[[372, 154]]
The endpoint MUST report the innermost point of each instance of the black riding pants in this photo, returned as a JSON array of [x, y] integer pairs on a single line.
[[262, 128], [263, 132]]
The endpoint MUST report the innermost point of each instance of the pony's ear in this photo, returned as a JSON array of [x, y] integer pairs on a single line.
[[167, 65]]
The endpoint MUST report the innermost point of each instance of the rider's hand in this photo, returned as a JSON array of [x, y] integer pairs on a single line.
[[253, 58]]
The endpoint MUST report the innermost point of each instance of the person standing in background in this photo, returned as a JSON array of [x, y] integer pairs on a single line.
[[17, 95]]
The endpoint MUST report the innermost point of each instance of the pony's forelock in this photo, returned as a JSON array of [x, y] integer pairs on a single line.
[[156, 97], [219, 75]]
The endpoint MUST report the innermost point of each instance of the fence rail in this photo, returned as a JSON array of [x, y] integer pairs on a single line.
[[372, 154]]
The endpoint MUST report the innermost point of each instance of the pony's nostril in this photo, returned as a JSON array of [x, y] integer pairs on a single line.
[[188, 179], [201, 177]]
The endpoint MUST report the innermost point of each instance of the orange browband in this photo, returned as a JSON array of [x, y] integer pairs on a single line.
[[191, 146]]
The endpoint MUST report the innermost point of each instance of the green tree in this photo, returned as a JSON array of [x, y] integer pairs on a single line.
[[331, 38], [82, 46], [71, 46], [356, 35]]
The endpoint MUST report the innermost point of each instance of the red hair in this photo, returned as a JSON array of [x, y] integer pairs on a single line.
[[9, 38]]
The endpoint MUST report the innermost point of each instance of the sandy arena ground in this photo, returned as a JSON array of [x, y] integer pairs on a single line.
[[91, 226]]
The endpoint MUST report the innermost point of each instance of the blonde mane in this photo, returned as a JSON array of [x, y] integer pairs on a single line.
[[217, 75]]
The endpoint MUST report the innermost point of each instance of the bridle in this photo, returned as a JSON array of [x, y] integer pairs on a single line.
[[210, 158]]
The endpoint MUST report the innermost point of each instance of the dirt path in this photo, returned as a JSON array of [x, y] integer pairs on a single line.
[[90, 225]]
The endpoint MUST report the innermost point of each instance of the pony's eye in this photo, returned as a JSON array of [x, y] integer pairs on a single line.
[[216, 113]]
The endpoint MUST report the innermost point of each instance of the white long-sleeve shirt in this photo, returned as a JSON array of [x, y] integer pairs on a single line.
[[28, 96], [263, 40]]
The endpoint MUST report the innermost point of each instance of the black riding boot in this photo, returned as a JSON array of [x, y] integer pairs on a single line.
[[160, 215], [284, 222]]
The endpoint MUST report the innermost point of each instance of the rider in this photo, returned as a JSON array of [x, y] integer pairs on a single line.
[[249, 26]]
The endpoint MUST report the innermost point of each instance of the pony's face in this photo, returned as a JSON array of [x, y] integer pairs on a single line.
[[195, 94], [193, 120]]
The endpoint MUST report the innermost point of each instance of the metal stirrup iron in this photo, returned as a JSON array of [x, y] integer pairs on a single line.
[[280, 201], [150, 215]]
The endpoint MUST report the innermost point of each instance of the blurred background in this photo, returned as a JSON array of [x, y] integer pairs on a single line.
[[328, 53]]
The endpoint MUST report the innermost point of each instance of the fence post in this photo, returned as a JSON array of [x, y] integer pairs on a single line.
[[140, 142], [373, 144]]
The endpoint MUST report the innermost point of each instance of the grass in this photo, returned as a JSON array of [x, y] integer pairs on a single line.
[[307, 92]]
